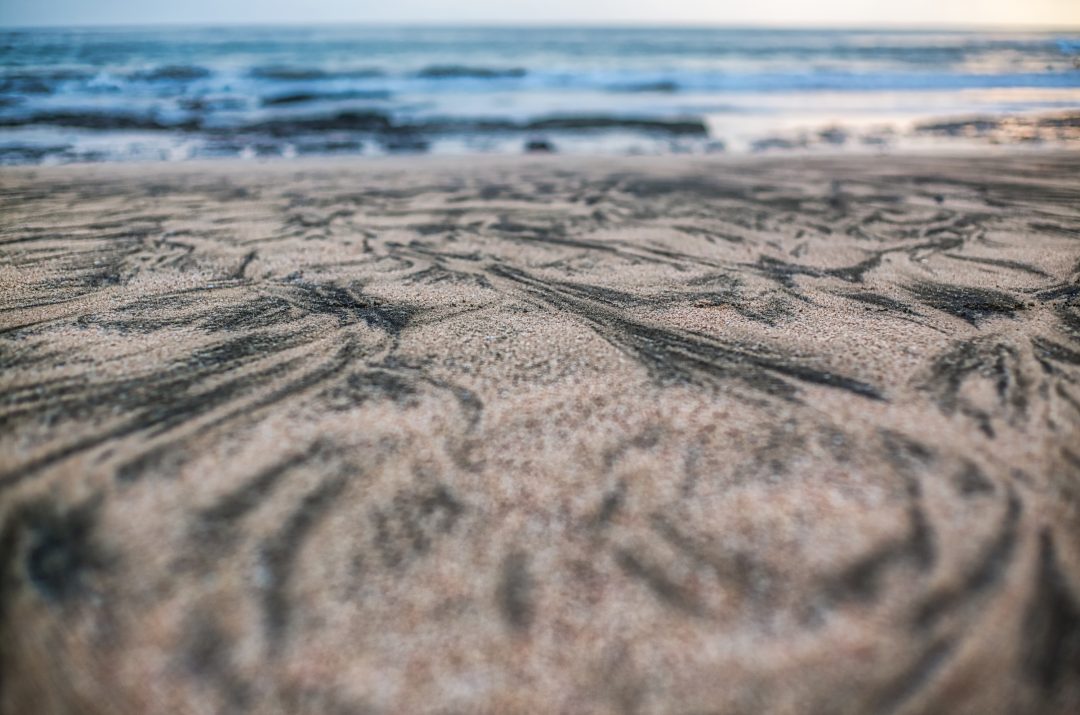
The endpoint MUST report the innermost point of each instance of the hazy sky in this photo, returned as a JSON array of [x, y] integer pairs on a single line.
[[775, 12]]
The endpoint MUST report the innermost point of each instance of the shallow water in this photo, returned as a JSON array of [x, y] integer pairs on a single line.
[[101, 94]]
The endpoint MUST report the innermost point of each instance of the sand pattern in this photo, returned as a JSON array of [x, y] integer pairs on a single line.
[[553, 435]]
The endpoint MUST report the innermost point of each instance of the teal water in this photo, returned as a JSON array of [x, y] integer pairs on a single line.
[[106, 94]]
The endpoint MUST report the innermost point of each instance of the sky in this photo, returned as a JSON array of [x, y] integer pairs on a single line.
[[1043, 13]]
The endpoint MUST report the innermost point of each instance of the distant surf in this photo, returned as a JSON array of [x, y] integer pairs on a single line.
[[113, 94]]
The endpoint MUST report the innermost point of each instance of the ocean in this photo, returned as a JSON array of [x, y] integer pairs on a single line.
[[173, 94]]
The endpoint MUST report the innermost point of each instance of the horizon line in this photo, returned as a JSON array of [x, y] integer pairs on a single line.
[[554, 24]]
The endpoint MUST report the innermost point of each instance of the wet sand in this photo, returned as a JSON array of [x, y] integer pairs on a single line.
[[653, 435]]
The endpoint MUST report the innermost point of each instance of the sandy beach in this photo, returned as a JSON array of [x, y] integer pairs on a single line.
[[553, 434]]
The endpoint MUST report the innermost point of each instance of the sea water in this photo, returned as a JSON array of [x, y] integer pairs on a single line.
[[139, 93]]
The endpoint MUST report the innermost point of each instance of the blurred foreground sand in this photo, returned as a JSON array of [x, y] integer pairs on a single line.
[[542, 435]]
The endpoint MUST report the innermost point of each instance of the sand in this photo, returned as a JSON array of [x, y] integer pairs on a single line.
[[553, 435]]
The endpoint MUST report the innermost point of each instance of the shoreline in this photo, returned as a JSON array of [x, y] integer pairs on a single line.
[[359, 162]]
